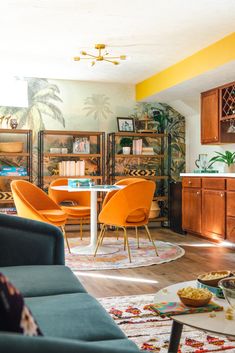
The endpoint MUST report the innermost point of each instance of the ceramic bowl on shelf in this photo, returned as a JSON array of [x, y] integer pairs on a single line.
[[212, 278], [228, 287], [11, 147]]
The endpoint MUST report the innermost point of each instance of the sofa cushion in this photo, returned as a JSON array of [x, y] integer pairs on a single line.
[[76, 316], [35, 281], [15, 316]]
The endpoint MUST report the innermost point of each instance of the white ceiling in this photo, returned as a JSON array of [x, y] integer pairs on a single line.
[[40, 37]]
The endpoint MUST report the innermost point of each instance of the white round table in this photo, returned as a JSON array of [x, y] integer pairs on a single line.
[[90, 249], [202, 321]]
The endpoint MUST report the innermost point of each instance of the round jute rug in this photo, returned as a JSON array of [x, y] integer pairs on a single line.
[[144, 256]]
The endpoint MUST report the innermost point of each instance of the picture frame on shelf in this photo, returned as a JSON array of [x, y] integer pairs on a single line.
[[125, 124], [81, 145]]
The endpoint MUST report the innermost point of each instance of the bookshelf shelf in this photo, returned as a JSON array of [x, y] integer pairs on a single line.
[[64, 155]]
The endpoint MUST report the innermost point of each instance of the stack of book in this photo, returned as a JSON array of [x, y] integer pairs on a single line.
[[72, 168], [147, 151], [137, 146], [13, 171]]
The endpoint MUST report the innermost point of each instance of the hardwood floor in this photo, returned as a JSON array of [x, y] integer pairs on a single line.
[[200, 256]]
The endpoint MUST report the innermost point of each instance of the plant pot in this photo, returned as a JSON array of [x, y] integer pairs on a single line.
[[126, 150], [230, 169]]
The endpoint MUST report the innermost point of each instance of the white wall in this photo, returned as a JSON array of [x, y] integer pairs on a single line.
[[191, 111]]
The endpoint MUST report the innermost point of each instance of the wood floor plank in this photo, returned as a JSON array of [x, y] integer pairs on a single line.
[[200, 256]]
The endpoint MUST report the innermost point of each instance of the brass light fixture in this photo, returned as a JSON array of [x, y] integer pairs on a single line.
[[100, 56]]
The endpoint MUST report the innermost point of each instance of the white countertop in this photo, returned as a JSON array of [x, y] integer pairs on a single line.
[[212, 175]]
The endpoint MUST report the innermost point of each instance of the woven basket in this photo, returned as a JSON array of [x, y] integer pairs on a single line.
[[14, 147], [154, 210]]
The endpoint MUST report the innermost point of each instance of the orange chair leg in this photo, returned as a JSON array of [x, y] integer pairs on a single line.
[[81, 229], [65, 237], [127, 243], [150, 237], [137, 237], [99, 239]]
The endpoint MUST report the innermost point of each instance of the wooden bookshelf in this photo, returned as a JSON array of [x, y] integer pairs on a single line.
[[160, 161], [14, 159], [54, 138]]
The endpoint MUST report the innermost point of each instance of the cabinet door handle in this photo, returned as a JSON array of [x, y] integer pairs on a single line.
[[198, 192], [189, 182], [222, 194], [215, 138]]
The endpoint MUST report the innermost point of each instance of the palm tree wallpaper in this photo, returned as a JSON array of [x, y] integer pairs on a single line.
[[170, 121], [98, 106], [87, 106]]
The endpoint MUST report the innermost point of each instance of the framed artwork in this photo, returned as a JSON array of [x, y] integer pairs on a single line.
[[81, 145], [125, 124]]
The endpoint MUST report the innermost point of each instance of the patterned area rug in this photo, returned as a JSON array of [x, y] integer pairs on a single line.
[[151, 332], [144, 256]]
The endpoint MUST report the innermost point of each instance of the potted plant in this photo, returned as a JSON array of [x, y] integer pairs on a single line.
[[228, 158], [126, 143]]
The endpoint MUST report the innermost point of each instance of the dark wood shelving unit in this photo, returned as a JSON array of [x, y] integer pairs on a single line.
[[161, 159], [11, 135], [98, 139]]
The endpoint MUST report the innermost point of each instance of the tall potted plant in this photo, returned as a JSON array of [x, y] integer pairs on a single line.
[[228, 158]]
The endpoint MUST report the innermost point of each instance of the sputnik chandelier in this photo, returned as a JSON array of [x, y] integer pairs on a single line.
[[100, 57]]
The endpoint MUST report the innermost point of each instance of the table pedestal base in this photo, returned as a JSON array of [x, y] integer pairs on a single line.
[[90, 250]]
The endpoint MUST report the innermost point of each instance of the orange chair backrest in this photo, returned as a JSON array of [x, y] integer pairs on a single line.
[[125, 181], [58, 196], [29, 199], [136, 196]]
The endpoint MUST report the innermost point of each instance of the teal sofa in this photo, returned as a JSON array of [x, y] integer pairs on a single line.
[[32, 257]]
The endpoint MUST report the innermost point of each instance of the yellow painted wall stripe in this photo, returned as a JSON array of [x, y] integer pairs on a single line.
[[214, 55]]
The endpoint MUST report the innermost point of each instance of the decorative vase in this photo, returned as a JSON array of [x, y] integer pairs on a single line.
[[126, 150], [13, 123], [230, 169], [154, 210]]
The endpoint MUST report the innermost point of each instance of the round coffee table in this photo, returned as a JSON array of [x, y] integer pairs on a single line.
[[202, 321]]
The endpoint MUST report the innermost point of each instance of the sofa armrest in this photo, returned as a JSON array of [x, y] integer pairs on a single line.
[[13, 343], [27, 242]]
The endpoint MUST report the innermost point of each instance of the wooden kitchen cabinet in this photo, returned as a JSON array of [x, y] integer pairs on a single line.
[[208, 207], [210, 117], [191, 210], [217, 108], [213, 214]]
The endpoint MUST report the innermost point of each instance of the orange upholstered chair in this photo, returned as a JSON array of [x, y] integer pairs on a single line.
[[80, 208], [135, 200], [33, 203], [126, 181]]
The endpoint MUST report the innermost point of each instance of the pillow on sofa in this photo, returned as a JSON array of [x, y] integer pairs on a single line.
[[15, 316]]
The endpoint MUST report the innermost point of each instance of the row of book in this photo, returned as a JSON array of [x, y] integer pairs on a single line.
[[72, 168], [13, 171], [8, 210], [137, 148]]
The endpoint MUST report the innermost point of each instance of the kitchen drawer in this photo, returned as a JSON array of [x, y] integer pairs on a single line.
[[231, 184], [231, 203], [230, 236], [213, 183], [191, 182]]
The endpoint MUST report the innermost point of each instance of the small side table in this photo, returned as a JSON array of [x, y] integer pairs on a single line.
[[201, 321]]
